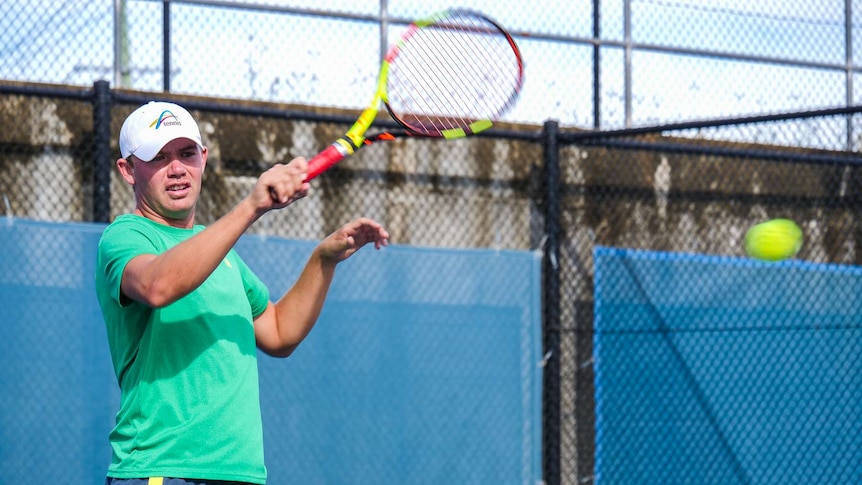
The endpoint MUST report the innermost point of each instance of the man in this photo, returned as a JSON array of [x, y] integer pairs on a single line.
[[185, 315]]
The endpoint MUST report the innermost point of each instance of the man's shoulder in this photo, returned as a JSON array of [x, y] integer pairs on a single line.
[[128, 228], [133, 222], [131, 219]]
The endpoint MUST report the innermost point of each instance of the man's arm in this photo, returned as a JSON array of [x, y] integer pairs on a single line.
[[159, 280], [283, 325]]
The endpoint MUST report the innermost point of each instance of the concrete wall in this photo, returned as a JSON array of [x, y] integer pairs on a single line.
[[46, 170]]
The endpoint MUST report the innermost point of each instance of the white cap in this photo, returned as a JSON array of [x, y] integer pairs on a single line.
[[152, 126]]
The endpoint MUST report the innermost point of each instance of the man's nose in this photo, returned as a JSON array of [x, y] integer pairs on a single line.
[[176, 167]]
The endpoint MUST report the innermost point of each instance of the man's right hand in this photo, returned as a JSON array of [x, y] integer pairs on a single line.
[[281, 185]]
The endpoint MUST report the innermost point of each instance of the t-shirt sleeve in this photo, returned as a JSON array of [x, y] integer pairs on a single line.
[[255, 289], [119, 244]]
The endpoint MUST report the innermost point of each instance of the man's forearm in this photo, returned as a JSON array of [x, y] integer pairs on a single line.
[[180, 270]]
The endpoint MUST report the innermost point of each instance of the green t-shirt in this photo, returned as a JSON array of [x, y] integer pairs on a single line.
[[189, 405]]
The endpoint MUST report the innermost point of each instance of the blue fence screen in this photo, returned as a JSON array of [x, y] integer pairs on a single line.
[[726, 370], [422, 369]]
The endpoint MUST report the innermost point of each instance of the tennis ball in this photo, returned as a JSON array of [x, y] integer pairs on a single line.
[[773, 240]]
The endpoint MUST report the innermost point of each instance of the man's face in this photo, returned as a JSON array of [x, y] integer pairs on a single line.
[[168, 186]]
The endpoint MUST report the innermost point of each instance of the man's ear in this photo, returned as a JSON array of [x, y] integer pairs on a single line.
[[204, 153], [127, 170]]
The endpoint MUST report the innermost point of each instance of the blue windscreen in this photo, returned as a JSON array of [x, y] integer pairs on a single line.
[[726, 370], [421, 369]]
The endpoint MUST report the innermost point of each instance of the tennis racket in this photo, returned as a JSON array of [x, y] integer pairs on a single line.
[[449, 76]]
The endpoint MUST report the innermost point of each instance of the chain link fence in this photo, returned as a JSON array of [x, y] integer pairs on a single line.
[[655, 392], [707, 367], [613, 64]]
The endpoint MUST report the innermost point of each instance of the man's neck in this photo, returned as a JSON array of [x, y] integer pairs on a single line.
[[181, 223]]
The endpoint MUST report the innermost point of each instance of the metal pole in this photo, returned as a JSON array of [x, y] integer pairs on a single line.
[[102, 151], [384, 28], [848, 59], [597, 82], [551, 422], [627, 81], [166, 46], [118, 32]]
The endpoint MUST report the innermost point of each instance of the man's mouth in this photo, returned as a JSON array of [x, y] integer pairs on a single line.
[[178, 187]]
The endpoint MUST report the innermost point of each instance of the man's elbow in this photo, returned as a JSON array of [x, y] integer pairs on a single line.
[[278, 352], [155, 295]]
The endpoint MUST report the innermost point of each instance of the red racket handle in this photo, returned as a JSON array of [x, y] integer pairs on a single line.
[[323, 161]]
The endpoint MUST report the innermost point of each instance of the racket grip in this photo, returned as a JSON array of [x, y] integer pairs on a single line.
[[323, 161]]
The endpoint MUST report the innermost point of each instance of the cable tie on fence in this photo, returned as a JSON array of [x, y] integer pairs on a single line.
[[264, 232], [8, 210], [588, 362], [551, 257], [542, 243], [546, 358]]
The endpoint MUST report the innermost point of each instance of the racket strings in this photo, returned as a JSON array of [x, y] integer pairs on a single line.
[[452, 94], [460, 82], [447, 98], [452, 73], [471, 93], [418, 93]]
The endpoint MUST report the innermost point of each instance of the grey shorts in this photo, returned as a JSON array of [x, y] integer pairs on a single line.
[[167, 481]]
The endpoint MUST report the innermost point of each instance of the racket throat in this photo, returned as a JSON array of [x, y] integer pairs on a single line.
[[346, 146]]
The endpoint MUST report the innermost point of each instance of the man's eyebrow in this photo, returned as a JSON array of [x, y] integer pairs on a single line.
[[185, 148]]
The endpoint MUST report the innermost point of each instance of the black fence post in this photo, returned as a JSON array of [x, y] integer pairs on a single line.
[[551, 426], [102, 151]]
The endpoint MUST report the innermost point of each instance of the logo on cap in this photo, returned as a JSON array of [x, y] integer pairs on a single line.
[[166, 119]]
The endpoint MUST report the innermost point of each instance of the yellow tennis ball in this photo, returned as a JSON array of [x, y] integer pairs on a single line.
[[773, 240]]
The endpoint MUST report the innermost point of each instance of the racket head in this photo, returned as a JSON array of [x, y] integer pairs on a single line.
[[452, 75]]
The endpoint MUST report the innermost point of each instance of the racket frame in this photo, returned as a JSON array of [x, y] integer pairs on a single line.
[[355, 138]]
